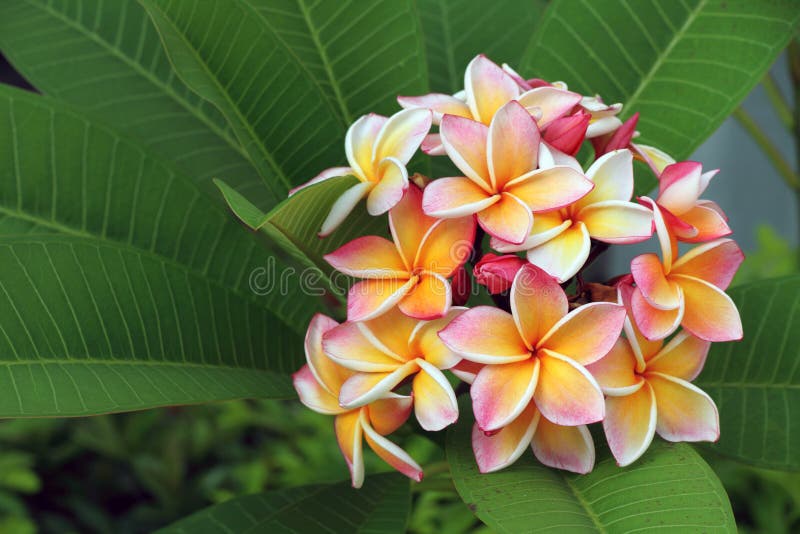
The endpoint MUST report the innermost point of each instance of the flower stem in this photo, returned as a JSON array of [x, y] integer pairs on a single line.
[[770, 150], [780, 104]]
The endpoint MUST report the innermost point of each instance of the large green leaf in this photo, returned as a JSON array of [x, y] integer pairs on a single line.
[[105, 58], [756, 382], [458, 30], [670, 488], [684, 65], [158, 237], [261, 62], [380, 506]]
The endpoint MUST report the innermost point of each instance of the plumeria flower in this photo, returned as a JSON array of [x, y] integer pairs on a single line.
[[501, 182], [688, 292], [388, 350], [378, 149], [559, 241], [318, 383], [648, 390], [536, 353], [411, 271]]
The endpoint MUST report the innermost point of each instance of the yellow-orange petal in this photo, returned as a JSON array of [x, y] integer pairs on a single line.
[[348, 435], [347, 346], [709, 223], [401, 135], [364, 388], [630, 424], [655, 324], [501, 449], [545, 227], [549, 103], [685, 412], [464, 140], [390, 333], [389, 414], [512, 147], [426, 343], [435, 402], [567, 394], [501, 392], [359, 141], [439, 103], [328, 373], [537, 303], [508, 219], [642, 347], [617, 221], [387, 192], [659, 291], [564, 447], [368, 257], [612, 176], [446, 246], [587, 333], [683, 357], [564, 255], [487, 87], [447, 198], [715, 262], [549, 189], [615, 372], [710, 313], [429, 298], [389, 452], [409, 224], [312, 394], [485, 335], [370, 298]]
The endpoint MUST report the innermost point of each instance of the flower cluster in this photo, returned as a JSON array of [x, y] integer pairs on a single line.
[[541, 363]]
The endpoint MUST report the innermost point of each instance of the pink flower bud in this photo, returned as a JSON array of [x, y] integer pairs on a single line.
[[621, 138], [461, 285], [567, 133], [497, 272]]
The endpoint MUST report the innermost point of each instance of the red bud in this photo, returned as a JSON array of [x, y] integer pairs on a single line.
[[497, 272], [567, 133], [461, 285]]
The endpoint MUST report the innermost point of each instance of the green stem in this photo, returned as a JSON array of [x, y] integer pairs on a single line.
[[794, 74], [771, 151], [780, 104]]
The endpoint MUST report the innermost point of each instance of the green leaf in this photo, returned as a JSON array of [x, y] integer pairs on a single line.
[[458, 30], [125, 286], [105, 59], [683, 65], [380, 506], [260, 65], [670, 488], [756, 382]]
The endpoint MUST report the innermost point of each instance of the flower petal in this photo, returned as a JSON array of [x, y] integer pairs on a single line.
[[370, 298], [549, 189], [587, 333], [512, 148], [567, 394], [409, 224], [630, 424], [708, 222], [328, 373], [655, 158], [660, 292], [439, 103], [485, 335], [685, 412], [390, 333], [666, 241], [446, 246], [348, 346], [710, 313], [564, 447], [393, 182], [364, 388], [487, 88], [537, 303], [446, 198], [508, 219], [429, 298], [426, 343], [683, 357], [466, 371], [389, 414], [333, 172], [348, 435], [551, 102], [359, 143], [679, 186], [643, 348], [435, 402], [501, 449], [501, 392], [432, 145], [389, 452], [312, 394], [550, 156], [402, 134], [654, 323], [617, 221], [545, 227], [615, 372], [715, 262], [464, 140], [564, 255], [343, 206], [368, 257]]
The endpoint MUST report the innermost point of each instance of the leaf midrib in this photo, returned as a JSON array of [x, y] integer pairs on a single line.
[[585, 505]]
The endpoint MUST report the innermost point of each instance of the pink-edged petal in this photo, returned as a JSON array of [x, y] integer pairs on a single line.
[[447, 198], [630, 424], [390, 333], [615, 372], [564, 255], [660, 292], [487, 88], [567, 394], [389, 452], [537, 303], [643, 348], [485, 335], [545, 227], [402, 134], [667, 242], [432, 145], [654, 323], [343, 206], [430, 298], [709, 223], [426, 343], [564, 447], [446, 246], [551, 102], [550, 156], [328, 373], [550, 189], [521, 82], [612, 175], [602, 126], [587, 333], [683, 357], [409, 224], [465, 140], [348, 346], [710, 313], [655, 158], [501, 392], [512, 147], [466, 371], [501, 449], [508, 219], [715, 262], [678, 228], [435, 402], [359, 143], [364, 388], [348, 435], [440, 104], [313, 395], [389, 414], [679, 186], [368, 257], [568, 133], [617, 221], [333, 172], [685, 412], [393, 182], [370, 298]]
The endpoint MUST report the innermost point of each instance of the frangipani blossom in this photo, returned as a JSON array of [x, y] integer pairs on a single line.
[[536, 353], [318, 384], [378, 149], [689, 292], [559, 241], [411, 271], [388, 350], [501, 183], [648, 390]]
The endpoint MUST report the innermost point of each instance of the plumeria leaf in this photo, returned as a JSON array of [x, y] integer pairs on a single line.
[[670, 487], [756, 382], [381, 506], [683, 65]]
